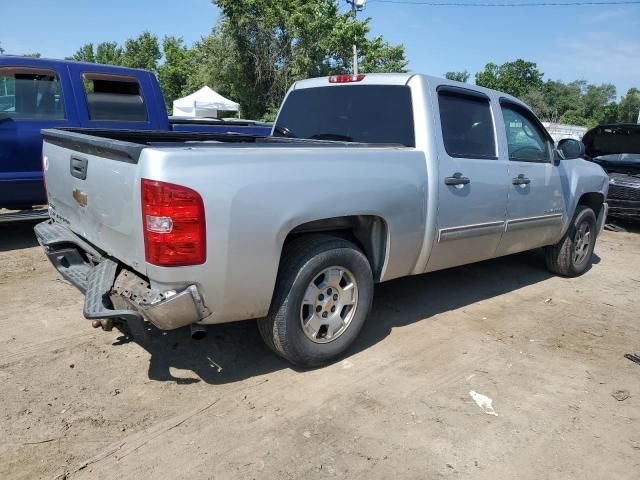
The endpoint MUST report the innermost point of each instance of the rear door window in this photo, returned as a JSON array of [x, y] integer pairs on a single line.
[[30, 94], [467, 125], [114, 98], [354, 113]]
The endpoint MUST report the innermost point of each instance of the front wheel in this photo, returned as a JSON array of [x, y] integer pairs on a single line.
[[571, 256], [322, 298]]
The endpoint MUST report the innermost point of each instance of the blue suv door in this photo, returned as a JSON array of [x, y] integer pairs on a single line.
[[31, 98]]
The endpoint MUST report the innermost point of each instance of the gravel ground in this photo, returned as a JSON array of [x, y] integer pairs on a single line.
[[549, 352]]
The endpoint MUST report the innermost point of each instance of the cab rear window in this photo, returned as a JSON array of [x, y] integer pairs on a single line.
[[355, 113], [30, 94], [114, 98]]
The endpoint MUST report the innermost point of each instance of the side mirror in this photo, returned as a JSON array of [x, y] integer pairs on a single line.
[[570, 148]]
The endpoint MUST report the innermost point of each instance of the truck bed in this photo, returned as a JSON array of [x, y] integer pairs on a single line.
[[130, 143], [254, 190]]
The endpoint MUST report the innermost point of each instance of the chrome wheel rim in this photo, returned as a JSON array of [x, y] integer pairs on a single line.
[[582, 242], [329, 304]]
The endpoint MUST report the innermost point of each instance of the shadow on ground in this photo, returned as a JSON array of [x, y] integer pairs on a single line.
[[17, 236], [234, 352]]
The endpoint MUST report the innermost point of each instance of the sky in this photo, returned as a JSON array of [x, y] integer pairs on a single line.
[[595, 43]]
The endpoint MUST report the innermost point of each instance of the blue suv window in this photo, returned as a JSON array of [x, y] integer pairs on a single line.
[[30, 94], [114, 98]]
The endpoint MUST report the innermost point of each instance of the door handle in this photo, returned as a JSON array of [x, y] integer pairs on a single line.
[[78, 167], [456, 179], [521, 180]]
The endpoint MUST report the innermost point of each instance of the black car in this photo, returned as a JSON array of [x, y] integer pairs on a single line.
[[616, 148]]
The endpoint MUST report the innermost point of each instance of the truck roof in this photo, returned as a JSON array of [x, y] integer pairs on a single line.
[[48, 62], [400, 79]]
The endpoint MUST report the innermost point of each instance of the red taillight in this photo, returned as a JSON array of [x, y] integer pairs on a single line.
[[347, 78], [173, 223]]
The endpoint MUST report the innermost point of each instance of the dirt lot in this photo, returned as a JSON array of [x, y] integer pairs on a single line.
[[81, 403]]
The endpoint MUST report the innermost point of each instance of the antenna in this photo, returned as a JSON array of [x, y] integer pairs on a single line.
[[356, 6]]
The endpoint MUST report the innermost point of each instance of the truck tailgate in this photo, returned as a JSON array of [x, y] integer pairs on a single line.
[[93, 189]]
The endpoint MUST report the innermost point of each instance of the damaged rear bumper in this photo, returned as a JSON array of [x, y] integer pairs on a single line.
[[112, 291]]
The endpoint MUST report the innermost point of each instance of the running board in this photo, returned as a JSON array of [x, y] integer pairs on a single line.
[[24, 215]]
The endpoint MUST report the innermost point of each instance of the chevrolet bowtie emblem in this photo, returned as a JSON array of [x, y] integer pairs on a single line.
[[80, 197]]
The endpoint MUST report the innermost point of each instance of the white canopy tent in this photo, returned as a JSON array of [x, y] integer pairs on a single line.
[[203, 103]]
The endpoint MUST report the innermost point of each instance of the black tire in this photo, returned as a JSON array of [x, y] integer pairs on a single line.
[[302, 260], [561, 257]]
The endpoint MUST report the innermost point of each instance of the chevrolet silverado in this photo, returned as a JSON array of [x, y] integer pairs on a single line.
[[365, 178]]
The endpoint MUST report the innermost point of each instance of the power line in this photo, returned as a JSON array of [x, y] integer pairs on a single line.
[[509, 5]]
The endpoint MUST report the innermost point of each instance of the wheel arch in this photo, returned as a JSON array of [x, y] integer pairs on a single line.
[[593, 200], [368, 232]]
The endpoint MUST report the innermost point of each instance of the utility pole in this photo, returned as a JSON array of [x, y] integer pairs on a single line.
[[356, 6]]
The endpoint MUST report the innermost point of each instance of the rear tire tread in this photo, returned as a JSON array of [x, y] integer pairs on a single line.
[[273, 328]]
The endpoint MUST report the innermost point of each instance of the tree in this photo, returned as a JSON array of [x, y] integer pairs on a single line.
[[562, 97], [142, 52], [178, 65], [1, 49], [629, 107], [260, 47], [84, 54], [537, 101], [109, 53], [462, 76], [516, 78], [596, 99], [378, 55]]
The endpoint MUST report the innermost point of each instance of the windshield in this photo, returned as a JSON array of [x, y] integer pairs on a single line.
[[354, 113]]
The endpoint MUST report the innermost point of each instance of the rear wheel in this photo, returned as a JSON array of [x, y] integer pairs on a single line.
[[322, 298], [571, 256]]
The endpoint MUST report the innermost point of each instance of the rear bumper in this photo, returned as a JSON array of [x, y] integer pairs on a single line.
[[111, 290]]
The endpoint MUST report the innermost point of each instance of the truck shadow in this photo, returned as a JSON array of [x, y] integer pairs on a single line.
[[235, 351], [17, 235]]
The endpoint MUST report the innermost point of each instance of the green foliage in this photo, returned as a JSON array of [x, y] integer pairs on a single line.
[[109, 53], [84, 54], [1, 49], [629, 107], [260, 47], [216, 64], [142, 52], [256, 51], [273, 43], [576, 103], [515, 78], [458, 76], [174, 73]]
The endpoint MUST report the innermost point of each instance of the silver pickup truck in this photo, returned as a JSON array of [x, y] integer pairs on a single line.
[[366, 178]]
